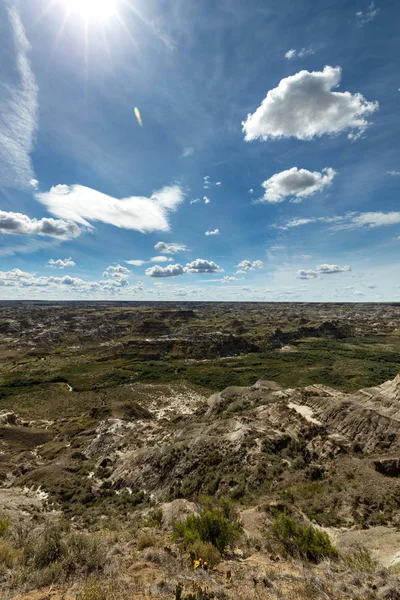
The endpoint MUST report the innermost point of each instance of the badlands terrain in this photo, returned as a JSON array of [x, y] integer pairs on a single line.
[[139, 438]]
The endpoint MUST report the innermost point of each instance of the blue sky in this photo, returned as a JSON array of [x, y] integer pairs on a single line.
[[266, 166]]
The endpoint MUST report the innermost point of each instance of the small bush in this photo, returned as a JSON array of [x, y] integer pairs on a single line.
[[4, 527], [360, 558], [8, 554], [146, 539], [85, 554], [155, 518], [301, 541], [212, 526], [50, 549], [49, 575], [207, 552], [93, 590]]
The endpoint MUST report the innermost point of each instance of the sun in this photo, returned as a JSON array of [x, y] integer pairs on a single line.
[[93, 9]]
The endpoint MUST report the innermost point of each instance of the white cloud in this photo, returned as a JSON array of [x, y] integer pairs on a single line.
[[34, 183], [160, 259], [18, 109], [228, 279], [304, 106], [83, 205], [135, 263], [298, 53], [306, 274], [170, 248], [349, 221], [393, 173], [206, 200], [20, 279], [372, 219], [61, 263], [168, 271], [214, 232], [251, 190], [248, 265], [362, 18], [290, 54], [117, 272], [188, 151], [297, 183], [218, 183], [19, 224], [328, 269], [195, 201], [206, 182], [200, 265]]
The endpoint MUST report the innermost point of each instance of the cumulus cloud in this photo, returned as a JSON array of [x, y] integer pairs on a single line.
[[18, 109], [218, 183], [135, 263], [168, 271], [228, 279], [251, 190], [117, 272], [304, 106], [364, 17], [328, 269], [200, 265], [292, 53], [61, 263], [306, 274], [213, 232], [248, 265], [296, 183], [19, 224], [206, 182], [206, 200], [170, 248], [85, 205], [195, 201], [34, 183], [20, 279]]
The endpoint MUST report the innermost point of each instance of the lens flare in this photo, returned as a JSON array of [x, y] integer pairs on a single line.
[[137, 115]]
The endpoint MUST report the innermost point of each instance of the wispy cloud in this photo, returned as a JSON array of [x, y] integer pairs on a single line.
[[292, 53], [364, 17], [18, 113], [187, 152], [348, 221]]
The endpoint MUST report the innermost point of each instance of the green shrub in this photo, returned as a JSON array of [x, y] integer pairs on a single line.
[[298, 540], [4, 527], [360, 558], [207, 552], [213, 526], [146, 539], [155, 518], [8, 554]]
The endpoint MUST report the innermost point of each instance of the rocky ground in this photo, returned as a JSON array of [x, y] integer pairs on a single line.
[[96, 468]]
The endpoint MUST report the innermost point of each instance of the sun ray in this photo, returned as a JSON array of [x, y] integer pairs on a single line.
[[59, 35], [44, 12]]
